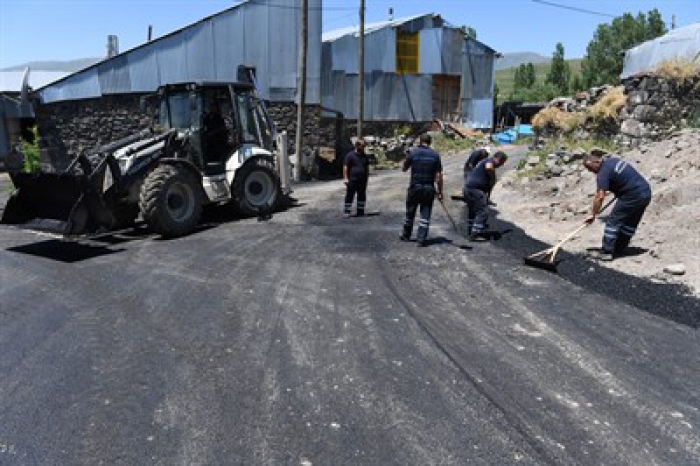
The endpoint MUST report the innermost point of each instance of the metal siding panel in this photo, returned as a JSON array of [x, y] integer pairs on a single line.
[[228, 35], [143, 70], [380, 51], [313, 90], [199, 49], [481, 114], [453, 41], [431, 52], [172, 59], [114, 76], [79, 86], [345, 55], [279, 49]]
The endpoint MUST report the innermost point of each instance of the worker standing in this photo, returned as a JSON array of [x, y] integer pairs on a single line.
[[425, 184], [476, 192], [633, 196], [355, 176]]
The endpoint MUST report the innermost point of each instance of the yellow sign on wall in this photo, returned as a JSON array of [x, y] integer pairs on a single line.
[[407, 52]]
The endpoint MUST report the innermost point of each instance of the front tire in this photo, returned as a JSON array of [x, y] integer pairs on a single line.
[[257, 188], [171, 201]]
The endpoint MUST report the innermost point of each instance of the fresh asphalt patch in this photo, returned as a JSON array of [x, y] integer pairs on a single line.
[[668, 300]]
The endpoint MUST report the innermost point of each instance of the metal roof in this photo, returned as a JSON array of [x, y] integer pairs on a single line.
[[682, 43], [11, 81], [256, 32], [336, 34]]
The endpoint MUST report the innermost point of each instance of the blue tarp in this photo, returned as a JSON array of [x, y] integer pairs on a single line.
[[510, 135]]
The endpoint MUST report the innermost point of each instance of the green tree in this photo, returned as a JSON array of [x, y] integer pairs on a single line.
[[524, 77], [559, 72], [604, 57], [531, 78], [577, 83]]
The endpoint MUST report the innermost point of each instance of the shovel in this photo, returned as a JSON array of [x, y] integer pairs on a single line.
[[545, 259], [449, 216]]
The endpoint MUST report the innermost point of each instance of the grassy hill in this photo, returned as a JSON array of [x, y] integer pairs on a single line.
[[504, 78]]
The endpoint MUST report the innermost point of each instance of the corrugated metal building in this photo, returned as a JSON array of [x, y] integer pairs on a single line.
[[15, 114], [261, 33], [678, 44], [416, 69]]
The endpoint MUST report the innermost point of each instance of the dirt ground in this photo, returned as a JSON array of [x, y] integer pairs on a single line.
[[548, 209]]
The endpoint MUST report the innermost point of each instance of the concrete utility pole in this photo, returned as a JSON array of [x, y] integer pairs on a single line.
[[361, 71], [301, 88]]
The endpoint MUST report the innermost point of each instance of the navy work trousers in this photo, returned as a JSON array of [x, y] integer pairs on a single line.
[[477, 219], [358, 187], [622, 223], [419, 196]]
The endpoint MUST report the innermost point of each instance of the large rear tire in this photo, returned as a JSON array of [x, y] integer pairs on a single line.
[[256, 188], [171, 201]]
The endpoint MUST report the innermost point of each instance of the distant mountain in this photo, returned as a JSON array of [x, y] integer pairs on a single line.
[[513, 59], [70, 66]]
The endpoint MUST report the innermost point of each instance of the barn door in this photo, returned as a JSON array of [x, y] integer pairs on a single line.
[[446, 100]]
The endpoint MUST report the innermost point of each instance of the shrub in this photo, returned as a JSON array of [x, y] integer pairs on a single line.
[[677, 70], [552, 119], [30, 150], [609, 106]]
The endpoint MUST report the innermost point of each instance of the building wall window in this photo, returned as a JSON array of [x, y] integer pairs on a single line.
[[407, 52]]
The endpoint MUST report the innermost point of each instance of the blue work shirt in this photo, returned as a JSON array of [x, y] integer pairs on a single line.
[[479, 178], [473, 160], [358, 166], [621, 179], [425, 163]]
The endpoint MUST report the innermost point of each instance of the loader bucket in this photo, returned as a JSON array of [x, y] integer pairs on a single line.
[[63, 203]]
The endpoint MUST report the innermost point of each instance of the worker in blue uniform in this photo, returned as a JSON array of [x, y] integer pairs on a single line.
[[633, 196], [477, 190], [425, 185], [355, 176], [473, 160]]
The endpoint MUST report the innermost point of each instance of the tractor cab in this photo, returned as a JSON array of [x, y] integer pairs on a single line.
[[219, 119]]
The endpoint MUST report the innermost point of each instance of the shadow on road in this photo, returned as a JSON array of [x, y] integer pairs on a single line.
[[64, 251], [670, 301]]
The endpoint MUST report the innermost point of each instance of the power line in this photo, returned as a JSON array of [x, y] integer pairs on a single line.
[[572, 8], [293, 7]]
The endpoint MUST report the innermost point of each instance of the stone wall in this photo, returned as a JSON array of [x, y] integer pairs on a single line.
[[657, 107], [70, 128]]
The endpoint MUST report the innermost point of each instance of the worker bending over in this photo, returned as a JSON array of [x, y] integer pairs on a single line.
[[633, 196], [476, 193]]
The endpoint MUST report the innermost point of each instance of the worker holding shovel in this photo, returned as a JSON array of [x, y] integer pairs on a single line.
[[633, 196], [425, 185]]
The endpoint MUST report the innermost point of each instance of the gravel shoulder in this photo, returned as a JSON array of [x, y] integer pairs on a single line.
[[549, 208]]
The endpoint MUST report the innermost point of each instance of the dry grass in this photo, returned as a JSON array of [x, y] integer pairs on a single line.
[[553, 119], [609, 106], [678, 70]]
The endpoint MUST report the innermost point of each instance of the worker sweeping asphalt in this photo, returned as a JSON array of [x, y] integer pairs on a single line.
[[633, 196]]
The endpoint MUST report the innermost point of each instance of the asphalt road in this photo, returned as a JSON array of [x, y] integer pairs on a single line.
[[312, 339]]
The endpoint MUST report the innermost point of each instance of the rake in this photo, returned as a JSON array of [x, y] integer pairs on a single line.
[[545, 259]]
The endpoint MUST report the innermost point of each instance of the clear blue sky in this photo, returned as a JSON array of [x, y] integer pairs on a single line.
[[70, 29]]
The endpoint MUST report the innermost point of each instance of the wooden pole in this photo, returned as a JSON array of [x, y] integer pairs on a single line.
[[301, 88], [361, 71]]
